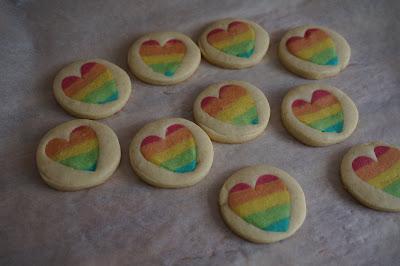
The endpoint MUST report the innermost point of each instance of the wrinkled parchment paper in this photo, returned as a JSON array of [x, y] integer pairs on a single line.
[[127, 222]]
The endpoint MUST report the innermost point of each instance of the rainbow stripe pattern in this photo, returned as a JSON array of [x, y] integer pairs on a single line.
[[176, 153], [266, 207], [238, 40], [383, 174], [324, 113], [234, 106], [316, 47], [80, 152], [96, 86], [163, 59]]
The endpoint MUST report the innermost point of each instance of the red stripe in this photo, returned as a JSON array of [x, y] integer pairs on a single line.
[[360, 162], [149, 139], [318, 94], [87, 67], [380, 150], [173, 128], [68, 81], [239, 187], [151, 42], [266, 179]]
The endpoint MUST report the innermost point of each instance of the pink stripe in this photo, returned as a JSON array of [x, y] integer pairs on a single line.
[[298, 103]]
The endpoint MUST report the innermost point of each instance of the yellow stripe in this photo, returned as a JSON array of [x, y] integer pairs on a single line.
[[262, 204], [98, 82], [172, 152], [75, 150], [323, 113], [387, 177], [315, 48], [246, 36], [162, 59], [239, 107]]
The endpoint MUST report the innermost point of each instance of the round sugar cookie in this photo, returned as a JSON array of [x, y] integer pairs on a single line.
[[319, 114], [371, 173], [92, 89], [171, 153], [314, 52], [234, 43], [164, 58], [262, 204], [232, 111], [78, 154]]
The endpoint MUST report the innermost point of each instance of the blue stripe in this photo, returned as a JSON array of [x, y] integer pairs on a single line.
[[279, 226], [335, 128], [187, 168], [332, 62], [112, 97]]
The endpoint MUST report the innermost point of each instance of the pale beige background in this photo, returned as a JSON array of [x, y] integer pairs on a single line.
[[127, 222]]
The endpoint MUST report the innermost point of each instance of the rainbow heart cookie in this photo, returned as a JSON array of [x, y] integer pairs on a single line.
[[267, 206], [176, 153], [234, 105], [238, 40], [96, 86], [383, 174], [80, 152], [163, 59], [324, 113], [316, 46]]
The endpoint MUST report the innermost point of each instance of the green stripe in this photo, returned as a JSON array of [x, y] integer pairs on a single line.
[[84, 161], [239, 48], [265, 218], [246, 118], [327, 122], [103, 93], [324, 56], [165, 67], [393, 188], [181, 159]]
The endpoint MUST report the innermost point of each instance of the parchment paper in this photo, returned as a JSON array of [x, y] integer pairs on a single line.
[[127, 222]]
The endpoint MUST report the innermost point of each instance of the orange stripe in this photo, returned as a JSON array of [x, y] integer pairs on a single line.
[[386, 160], [304, 43], [56, 145], [149, 50], [85, 80], [240, 197], [172, 139], [319, 104], [224, 35], [218, 104]]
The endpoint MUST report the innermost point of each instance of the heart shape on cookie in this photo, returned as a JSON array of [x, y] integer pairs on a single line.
[[176, 152], [238, 40], [96, 85], [267, 206], [324, 113], [383, 174], [163, 59], [316, 47], [234, 105], [80, 152]]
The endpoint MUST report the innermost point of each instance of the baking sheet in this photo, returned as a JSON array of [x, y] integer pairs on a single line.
[[127, 222]]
